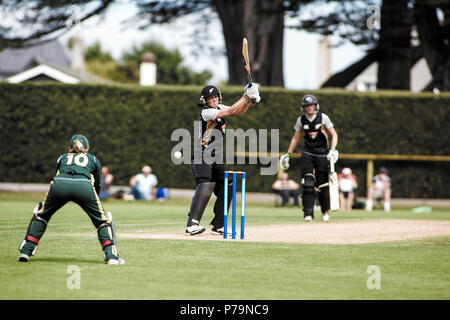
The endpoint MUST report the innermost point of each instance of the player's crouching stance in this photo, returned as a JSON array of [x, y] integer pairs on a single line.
[[314, 157], [209, 177], [78, 179]]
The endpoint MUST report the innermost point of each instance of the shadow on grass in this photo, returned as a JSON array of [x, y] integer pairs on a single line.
[[68, 260]]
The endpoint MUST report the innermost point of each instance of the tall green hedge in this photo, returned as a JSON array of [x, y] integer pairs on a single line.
[[131, 126]]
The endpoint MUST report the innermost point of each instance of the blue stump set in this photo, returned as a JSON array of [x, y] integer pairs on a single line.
[[225, 209]]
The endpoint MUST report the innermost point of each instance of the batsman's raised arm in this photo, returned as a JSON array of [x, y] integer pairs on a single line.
[[211, 99], [251, 95]]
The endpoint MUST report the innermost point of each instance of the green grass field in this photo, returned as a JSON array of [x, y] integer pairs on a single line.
[[204, 270]]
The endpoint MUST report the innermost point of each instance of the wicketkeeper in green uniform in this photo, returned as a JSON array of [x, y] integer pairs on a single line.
[[78, 179]]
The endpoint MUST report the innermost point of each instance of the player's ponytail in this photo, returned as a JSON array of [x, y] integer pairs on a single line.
[[78, 144], [78, 147]]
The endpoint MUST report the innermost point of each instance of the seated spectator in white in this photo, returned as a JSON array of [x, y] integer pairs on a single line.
[[380, 189], [142, 184], [347, 185], [286, 188], [107, 179]]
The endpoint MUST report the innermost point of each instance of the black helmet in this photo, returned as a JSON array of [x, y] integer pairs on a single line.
[[209, 91], [310, 99]]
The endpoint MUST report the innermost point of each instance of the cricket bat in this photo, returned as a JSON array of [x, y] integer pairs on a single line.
[[246, 60], [334, 188]]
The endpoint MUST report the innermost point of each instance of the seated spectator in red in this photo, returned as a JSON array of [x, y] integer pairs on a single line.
[[347, 185]]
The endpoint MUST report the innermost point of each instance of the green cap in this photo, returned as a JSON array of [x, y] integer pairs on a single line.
[[82, 139]]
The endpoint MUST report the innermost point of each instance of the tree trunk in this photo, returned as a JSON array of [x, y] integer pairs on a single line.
[[433, 41], [343, 78], [231, 14], [262, 23], [394, 46]]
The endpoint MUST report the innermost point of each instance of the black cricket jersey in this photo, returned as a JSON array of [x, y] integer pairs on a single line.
[[315, 140], [208, 126]]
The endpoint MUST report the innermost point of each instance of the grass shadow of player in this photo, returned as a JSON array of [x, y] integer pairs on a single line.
[[68, 260]]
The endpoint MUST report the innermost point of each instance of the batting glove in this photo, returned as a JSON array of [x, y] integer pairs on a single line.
[[251, 91], [284, 161], [333, 155]]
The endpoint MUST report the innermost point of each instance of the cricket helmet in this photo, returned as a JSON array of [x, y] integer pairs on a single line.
[[84, 141], [310, 99], [209, 91]]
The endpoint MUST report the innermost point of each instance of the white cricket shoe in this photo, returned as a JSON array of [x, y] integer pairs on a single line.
[[119, 261], [325, 217], [308, 218], [220, 231], [23, 257], [194, 229]]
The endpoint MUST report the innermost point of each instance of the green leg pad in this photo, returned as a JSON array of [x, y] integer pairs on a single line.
[[106, 239], [34, 234]]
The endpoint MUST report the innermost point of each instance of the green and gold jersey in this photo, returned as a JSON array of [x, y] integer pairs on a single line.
[[81, 165]]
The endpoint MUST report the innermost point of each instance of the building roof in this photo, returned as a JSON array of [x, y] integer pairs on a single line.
[[49, 61], [51, 72], [15, 60]]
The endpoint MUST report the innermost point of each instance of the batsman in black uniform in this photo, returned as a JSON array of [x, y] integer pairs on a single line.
[[315, 156], [209, 175], [78, 179]]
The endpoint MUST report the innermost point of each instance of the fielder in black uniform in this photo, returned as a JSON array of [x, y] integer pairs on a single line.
[[209, 176], [78, 179], [315, 156]]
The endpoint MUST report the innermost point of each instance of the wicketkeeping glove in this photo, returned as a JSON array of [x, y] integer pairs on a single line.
[[284, 161], [333, 155], [251, 91]]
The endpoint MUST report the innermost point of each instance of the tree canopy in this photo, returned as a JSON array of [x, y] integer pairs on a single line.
[[262, 22], [170, 68]]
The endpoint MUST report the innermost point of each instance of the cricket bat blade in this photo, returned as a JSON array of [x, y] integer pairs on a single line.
[[246, 60], [334, 188]]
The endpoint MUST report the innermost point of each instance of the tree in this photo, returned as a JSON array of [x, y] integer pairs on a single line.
[[42, 20], [101, 63], [434, 37], [169, 65], [262, 22], [394, 49], [95, 52], [391, 45]]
